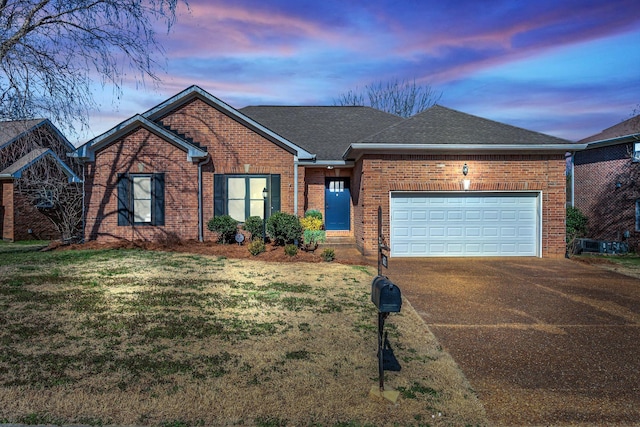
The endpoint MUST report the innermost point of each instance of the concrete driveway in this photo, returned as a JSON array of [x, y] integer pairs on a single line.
[[543, 342]]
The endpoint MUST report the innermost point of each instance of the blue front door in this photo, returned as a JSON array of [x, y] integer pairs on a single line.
[[337, 204]]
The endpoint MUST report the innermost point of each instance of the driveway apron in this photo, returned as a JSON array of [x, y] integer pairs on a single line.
[[542, 341]]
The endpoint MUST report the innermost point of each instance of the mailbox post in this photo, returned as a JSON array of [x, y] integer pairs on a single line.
[[387, 298]]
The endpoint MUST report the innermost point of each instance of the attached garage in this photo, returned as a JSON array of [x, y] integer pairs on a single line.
[[440, 224]]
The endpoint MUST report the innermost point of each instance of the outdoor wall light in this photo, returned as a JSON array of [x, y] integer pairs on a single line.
[[465, 169], [265, 193]]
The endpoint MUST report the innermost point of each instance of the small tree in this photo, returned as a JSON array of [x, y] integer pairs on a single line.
[[402, 98], [576, 227]]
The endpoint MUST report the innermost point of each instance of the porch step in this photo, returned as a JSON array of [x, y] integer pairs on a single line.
[[339, 241]]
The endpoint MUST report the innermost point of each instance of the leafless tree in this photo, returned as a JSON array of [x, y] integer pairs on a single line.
[[52, 50], [402, 98], [45, 185]]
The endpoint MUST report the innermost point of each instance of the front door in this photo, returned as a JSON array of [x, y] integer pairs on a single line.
[[337, 204]]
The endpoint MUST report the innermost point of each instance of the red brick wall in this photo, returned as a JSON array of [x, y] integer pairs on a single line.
[[376, 176], [28, 218], [6, 209], [233, 149], [18, 216], [609, 209]]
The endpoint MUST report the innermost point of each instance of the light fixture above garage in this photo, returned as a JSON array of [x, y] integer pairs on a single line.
[[465, 169]]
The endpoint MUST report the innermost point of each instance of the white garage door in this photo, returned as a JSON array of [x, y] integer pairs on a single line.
[[462, 224]]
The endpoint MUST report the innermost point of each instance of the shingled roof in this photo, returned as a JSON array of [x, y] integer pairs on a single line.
[[325, 131], [441, 125], [630, 128], [10, 130]]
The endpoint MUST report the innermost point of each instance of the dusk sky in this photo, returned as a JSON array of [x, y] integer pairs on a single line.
[[569, 68]]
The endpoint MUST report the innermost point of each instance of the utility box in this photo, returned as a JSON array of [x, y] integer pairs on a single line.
[[385, 295]]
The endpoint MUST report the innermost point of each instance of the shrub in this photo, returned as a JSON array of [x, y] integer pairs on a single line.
[[576, 227], [328, 255], [291, 250], [225, 226], [311, 223], [310, 237], [313, 213], [253, 225], [283, 228], [256, 247]]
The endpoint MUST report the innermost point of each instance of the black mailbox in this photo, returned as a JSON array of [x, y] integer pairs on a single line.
[[385, 295]]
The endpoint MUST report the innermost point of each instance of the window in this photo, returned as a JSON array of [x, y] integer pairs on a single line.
[[636, 152], [44, 200], [141, 199], [240, 196]]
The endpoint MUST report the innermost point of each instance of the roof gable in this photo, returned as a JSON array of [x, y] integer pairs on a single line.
[[621, 133], [11, 131], [87, 151], [195, 92], [326, 131], [15, 170]]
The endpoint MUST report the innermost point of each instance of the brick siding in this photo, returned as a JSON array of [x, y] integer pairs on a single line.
[[233, 149], [376, 176], [610, 209]]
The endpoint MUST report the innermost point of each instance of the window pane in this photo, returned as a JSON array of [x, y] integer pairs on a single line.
[[257, 185], [142, 187], [257, 208], [142, 210], [237, 189], [236, 209]]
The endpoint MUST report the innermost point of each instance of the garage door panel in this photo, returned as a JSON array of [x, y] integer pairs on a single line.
[[431, 224]]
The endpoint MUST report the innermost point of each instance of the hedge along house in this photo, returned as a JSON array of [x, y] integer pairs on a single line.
[[448, 183]]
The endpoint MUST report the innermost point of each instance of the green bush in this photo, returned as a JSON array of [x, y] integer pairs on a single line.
[[310, 237], [256, 247], [313, 213], [283, 228], [328, 254], [253, 225], [225, 226], [576, 227], [291, 250]]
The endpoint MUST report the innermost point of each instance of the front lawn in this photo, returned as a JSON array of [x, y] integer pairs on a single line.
[[133, 337]]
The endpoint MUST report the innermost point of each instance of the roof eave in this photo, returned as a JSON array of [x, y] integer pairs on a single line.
[[86, 152], [612, 141], [197, 92], [356, 150]]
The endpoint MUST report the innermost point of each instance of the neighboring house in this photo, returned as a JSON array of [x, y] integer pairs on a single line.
[[24, 147], [606, 177], [448, 183]]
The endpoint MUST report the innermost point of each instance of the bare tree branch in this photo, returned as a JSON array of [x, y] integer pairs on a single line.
[[402, 98], [52, 50]]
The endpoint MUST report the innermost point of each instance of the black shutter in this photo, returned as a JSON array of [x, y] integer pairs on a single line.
[[275, 195], [124, 199], [219, 194], [157, 199]]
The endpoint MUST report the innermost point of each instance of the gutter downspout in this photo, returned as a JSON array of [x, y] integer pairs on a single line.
[[295, 185], [200, 213]]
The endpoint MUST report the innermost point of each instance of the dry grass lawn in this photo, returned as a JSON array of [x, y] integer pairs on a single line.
[[132, 337]]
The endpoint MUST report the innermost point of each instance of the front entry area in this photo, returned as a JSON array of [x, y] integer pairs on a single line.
[[337, 204], [463, 224]]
